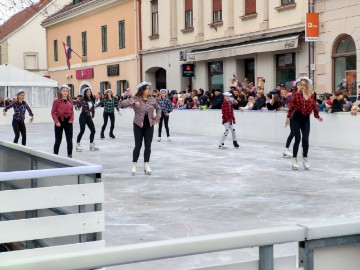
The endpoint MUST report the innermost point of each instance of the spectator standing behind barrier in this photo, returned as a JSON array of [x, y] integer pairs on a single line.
[[62, 113], [302, 106], [217, 99], [356, 106], [344, 86], [18, 123], [166, 108], [228, 119], [144, 106], [2, 103], [260, 101], [274, 104], [338, 102]]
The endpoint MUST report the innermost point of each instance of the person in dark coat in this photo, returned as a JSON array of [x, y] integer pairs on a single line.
[[217, 100]]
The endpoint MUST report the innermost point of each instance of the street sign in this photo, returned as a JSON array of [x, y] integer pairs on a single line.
[[312, 27], [188, 70]]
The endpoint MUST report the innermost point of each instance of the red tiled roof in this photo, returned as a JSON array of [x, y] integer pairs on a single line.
[[20, 18]]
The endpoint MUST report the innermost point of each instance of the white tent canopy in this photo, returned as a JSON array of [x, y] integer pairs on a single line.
[[39, 90]]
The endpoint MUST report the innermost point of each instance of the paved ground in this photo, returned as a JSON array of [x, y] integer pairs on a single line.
[[196, 189]]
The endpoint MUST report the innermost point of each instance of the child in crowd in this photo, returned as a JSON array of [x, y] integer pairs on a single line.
[[228, 119]]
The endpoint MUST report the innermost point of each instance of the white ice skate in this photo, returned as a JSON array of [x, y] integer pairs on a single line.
[[222, 146], [159, 139], [93, 147], [78, 147], [169, 139], [306, 163], [133, 168], [295, 164], [147, 168], [287, 153]]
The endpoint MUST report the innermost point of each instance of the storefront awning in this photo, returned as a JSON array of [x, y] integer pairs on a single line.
[[248, 47]]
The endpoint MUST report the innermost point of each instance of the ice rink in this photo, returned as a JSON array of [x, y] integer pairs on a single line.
[[197, 189]]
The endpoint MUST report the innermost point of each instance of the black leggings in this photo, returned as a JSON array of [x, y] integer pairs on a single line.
[[106, 116], [166, 121], [301, 126], [86, 120], [19, 127], [291, 135], [145, 133], [68, 128]]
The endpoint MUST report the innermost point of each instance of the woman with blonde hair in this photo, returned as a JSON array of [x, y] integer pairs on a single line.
[[302, 106]]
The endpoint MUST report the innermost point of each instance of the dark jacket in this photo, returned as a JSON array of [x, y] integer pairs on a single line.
[[337, 105], [274, 106], [217, 101], [260, 103]]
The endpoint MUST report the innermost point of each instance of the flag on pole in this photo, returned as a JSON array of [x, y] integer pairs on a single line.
[[68, 51]]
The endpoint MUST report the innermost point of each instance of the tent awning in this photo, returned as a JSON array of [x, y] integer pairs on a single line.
[[16, 77], [268, 45]]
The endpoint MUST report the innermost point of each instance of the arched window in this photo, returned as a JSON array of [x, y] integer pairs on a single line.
[[344, 62]]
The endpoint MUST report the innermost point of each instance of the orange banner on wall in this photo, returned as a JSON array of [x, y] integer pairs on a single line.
[[312, 27]]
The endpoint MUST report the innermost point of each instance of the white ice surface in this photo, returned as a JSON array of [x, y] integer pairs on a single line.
[[196, 189]]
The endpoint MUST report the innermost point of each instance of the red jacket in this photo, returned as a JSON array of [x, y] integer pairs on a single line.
[[62, 109], [227, 112], [306, 107]]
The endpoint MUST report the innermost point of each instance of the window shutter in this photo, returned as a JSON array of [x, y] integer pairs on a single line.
[[217, 5], [188, 5], [250, 7]]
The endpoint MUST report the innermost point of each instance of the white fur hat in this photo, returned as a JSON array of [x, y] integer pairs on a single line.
[[19, 92], [227, 94], [142, 84], [64, 86], [310, 82], [85, 89]]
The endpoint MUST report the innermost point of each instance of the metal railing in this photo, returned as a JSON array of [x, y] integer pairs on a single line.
[[328, 233]]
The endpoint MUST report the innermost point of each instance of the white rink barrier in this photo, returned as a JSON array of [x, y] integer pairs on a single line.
[[339, 130], [48, 204], [319, 243]]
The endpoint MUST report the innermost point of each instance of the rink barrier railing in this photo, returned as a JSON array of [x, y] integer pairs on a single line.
[[48, 204], [309, 236]]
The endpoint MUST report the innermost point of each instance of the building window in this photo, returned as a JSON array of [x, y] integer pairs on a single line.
[[216, 75], [217, 11], [31, 61], [154, 18], [188, 14], [104, 38], [68, 43], [56, 55], [84, 43], [250, 7], [285, 69], [121, 86], [121, 34], [344, 59], [287, 2]]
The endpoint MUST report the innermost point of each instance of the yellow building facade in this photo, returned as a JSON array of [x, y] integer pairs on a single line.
[[102, 37]]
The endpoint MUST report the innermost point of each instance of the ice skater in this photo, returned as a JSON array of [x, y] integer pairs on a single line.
[[87, 103], [63, 115], [287, 152], [18, 122], [110, 103], [302, 105], [144, 106], [228, 119], [166, 108]]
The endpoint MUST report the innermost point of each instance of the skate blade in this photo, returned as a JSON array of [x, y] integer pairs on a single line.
[[295, 168], [147, 173], [78, 150], [94, 149]]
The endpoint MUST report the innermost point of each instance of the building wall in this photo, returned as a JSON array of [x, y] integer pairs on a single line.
[[30, 38], [334, 23], [269, 20], [91, 23]]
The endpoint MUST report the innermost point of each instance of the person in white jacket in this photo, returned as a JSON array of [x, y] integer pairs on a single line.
[[250, 105]]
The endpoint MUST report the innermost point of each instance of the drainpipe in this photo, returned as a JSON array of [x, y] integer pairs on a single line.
[[139, 52], [312, 47]]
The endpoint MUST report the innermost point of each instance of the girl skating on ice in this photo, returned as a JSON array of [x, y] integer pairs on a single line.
[[63, 115], [18, 123], [110, 103], [144, 106], [87, 104], [228, 119]]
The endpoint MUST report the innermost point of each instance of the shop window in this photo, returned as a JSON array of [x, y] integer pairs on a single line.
[[216, 75], [285, 69], [344, 61], [188, 14], [217, 11]]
